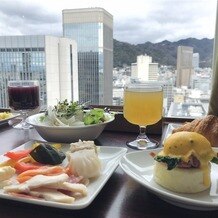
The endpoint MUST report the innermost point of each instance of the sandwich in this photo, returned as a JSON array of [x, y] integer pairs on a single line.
[[184, 163]]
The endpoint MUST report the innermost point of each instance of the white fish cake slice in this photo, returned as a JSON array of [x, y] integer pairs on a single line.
[[72, 187], [51, 195], [36, 182]]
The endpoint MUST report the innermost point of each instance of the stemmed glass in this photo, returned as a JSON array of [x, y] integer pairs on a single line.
[[23, 96], [143, 105]]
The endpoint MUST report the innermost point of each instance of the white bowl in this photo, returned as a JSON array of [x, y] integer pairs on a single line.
[[66, 134]]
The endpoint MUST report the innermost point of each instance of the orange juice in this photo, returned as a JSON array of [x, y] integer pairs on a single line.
[[143, 107]]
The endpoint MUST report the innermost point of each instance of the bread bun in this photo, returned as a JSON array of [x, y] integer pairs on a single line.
[[182, 180], [206, 126]]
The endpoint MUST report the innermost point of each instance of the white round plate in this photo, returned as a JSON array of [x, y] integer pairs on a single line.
[[139, 165]]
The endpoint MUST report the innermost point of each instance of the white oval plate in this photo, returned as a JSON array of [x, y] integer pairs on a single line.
[[139, 165]]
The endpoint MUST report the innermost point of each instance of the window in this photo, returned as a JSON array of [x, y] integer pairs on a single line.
[[182, 50], [168, 41]]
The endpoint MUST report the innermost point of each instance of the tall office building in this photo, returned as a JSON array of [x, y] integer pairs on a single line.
[[184, 66], [195, 61], [92, 29], [50, 60], [144, 69], [168, 93]]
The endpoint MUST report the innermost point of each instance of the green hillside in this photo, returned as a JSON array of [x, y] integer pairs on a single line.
[[164, 52]]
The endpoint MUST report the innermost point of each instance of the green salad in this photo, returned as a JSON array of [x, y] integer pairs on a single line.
[[73, 114]]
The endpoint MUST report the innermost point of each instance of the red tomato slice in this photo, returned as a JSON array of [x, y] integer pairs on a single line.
[[17, 155]]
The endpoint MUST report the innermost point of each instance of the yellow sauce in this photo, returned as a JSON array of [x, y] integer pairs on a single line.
[[206, 176]]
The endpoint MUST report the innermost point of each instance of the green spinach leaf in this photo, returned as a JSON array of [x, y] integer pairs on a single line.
[[170, 161]]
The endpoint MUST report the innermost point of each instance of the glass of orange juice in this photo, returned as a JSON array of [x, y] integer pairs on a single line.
[[143, 106]]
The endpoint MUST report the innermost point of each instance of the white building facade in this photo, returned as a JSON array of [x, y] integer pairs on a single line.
[[184, 66], [50, 60], [144, 69], [195, 61]]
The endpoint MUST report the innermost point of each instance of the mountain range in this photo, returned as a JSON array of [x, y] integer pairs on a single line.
[[164, 53]]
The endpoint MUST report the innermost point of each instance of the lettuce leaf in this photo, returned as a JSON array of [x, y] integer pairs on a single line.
[[94, 116]]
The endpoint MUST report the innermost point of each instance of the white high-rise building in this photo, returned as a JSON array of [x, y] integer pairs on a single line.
[[50, 60], [144, 69], [184, 66], [153, 72], [134, 70], [195, 61]]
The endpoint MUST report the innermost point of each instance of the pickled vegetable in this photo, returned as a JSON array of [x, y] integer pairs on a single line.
[[46, 154]]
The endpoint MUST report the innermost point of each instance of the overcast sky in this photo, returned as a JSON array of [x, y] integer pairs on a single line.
[[135, 21]]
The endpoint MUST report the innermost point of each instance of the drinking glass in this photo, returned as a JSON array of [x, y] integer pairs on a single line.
[[23, 96], [143, 105]]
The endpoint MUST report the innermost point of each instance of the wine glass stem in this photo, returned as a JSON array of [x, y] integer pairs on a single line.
[[23, 123], [142, 138], [142, 133]]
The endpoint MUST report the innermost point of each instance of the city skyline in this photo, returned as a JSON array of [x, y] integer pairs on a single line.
[[149, 21], [195, 82]]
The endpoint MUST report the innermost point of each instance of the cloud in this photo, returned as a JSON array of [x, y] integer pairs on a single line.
[[22, 17], [169, 20], [28, 11], [135, 21]]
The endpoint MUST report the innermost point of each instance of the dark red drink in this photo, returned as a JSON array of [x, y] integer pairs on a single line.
[[23, 97]]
